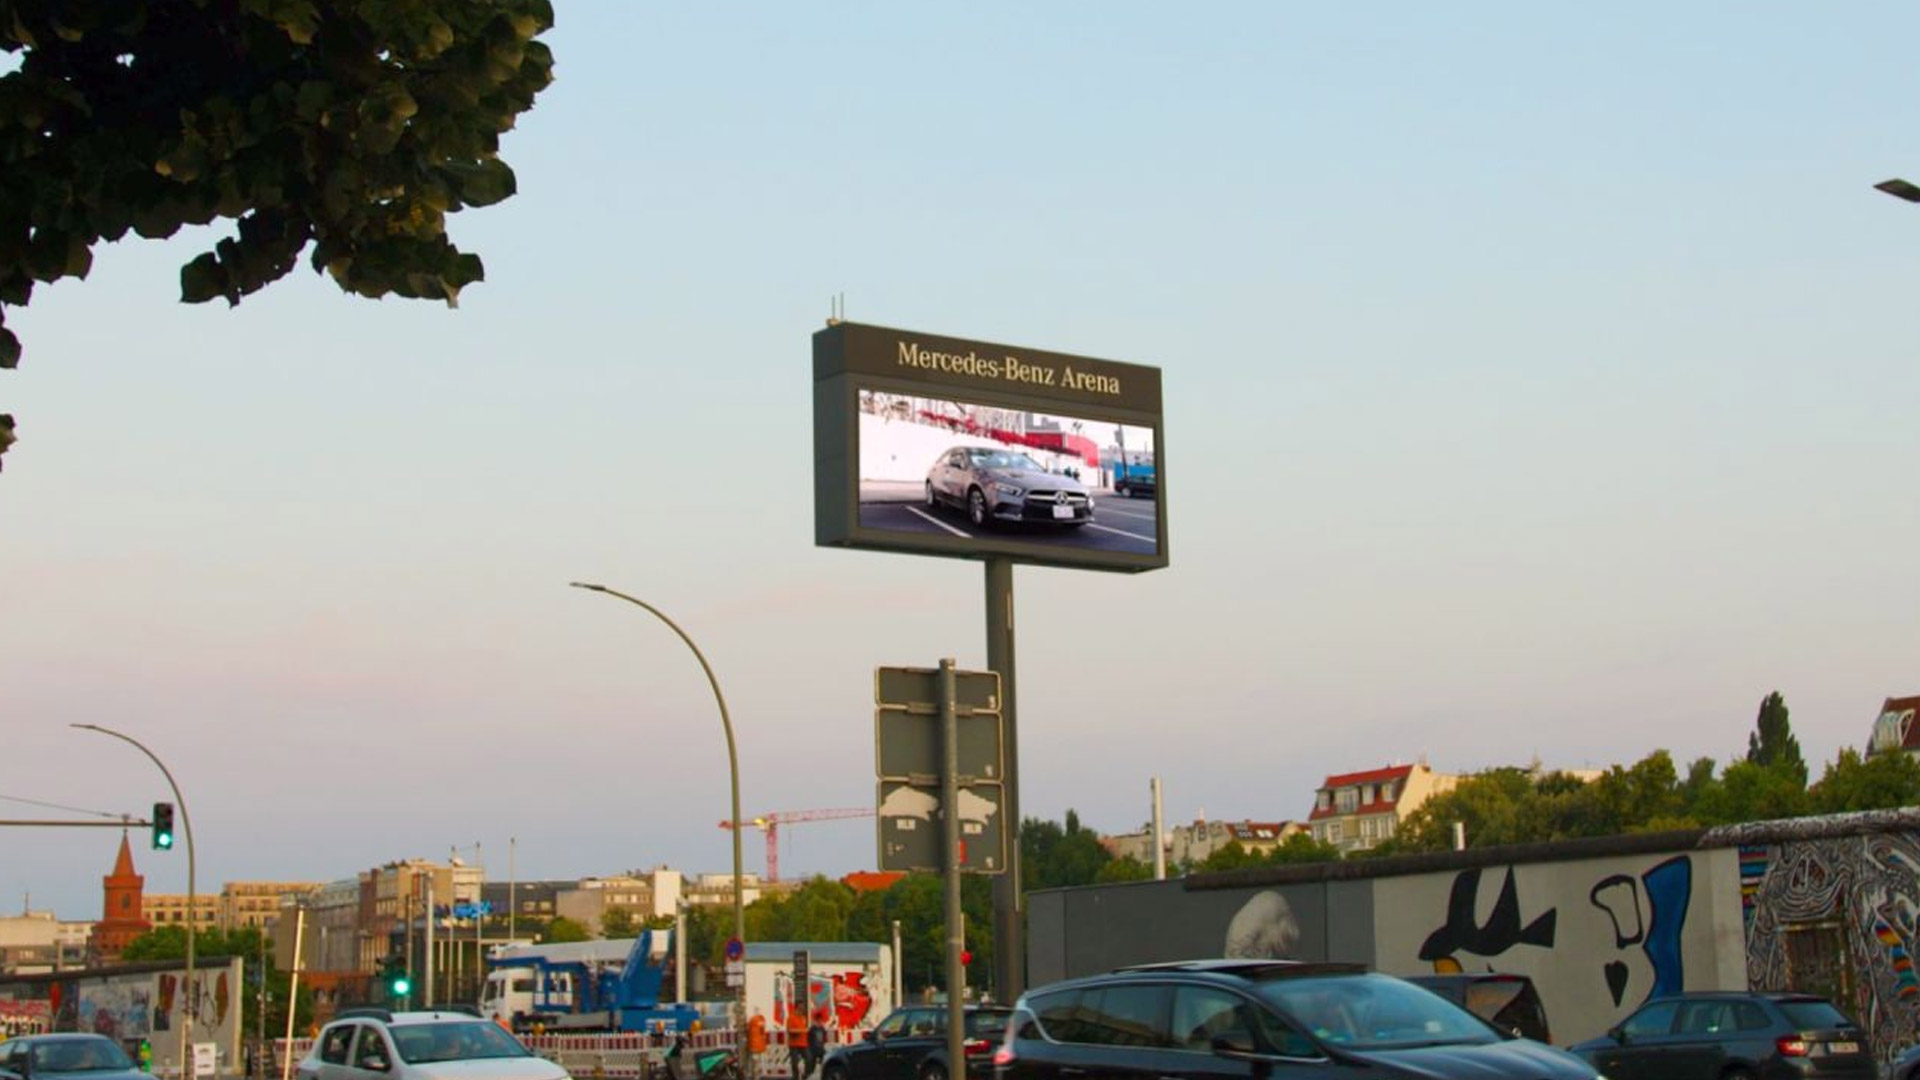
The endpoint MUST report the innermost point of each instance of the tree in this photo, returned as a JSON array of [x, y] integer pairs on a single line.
[[619, 922], [1881, 782], [1750, 791], [562, 929], [1055, 856], [1772, 743], [347, 126]]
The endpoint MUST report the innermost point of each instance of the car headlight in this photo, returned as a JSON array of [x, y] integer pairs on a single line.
[[1008, 491]]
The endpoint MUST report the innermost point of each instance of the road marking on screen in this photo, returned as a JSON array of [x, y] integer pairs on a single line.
[[1122, 532], [916, 511]]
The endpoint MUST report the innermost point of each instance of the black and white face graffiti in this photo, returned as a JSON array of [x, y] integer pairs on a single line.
[[1263, 929]]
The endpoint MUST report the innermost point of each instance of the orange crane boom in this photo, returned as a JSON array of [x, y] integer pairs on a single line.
[[770, 824]]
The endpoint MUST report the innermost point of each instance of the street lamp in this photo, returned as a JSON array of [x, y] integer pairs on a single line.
[[191, 997], [733, 766], [1899, 189]]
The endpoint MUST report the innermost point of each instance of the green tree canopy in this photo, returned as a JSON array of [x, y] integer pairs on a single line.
[[562, 929], [1772, 743], [1882, 782], [619, 922], [348, 127]]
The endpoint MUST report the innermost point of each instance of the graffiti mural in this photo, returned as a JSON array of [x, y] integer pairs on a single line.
[[1597, 936], [1838, 915]]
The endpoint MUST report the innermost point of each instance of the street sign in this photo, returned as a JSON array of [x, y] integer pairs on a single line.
[[909, 746], [736, 973], [911, 827], [736, 949], [802, 964], [912, 688]]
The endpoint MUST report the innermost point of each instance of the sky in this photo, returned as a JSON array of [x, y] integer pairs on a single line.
[[1539, 384]]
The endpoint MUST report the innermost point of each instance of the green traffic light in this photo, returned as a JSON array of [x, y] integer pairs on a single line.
[[401, 985]]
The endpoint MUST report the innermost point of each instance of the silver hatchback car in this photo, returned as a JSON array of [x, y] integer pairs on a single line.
[[375, 1044]]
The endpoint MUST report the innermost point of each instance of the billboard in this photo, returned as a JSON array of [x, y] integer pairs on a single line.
[[968, 449]]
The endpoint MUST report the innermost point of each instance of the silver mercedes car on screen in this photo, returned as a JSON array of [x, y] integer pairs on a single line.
[[996, 485]]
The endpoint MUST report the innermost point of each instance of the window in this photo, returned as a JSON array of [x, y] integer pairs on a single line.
[[1705, 1018], [1324, 800], [1126, 1015], [1333, 832], [1749, 1017], [1201, 1013], [891, 1026], [1348, 800], [1652, 1020], [370, 1047], [333, 1044]]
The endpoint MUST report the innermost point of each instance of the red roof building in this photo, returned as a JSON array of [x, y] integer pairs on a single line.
[[121, 920], [1354, 811]]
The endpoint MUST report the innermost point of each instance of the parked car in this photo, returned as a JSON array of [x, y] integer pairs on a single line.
[[376, 1044], [1906, 1066], [1272, 1019], [911, 1044], [81, 1057], [1508, 1002], [1005, 485], [1733, 1035]]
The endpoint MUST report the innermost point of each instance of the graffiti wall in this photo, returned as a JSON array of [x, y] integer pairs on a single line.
[[1837, 915], [1597, 936], [152, 1005]]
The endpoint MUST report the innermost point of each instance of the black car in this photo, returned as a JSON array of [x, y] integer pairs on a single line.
[[1266, 1019], [1733, 1035], [69, 1056], [911, 1044], [1508, 1002], [1005, 485], [1906, 1066]]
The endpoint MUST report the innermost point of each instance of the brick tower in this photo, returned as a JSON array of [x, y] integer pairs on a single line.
[[120, 922]]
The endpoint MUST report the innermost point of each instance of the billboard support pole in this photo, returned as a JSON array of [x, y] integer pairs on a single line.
[[1009, 938], [950, 843]]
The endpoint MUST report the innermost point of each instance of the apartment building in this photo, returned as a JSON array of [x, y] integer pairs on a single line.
[[1354, 811]]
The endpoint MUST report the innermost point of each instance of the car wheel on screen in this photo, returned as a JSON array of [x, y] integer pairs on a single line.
[[834, 1072], [933, 501], [976, 506], [933, 1070]]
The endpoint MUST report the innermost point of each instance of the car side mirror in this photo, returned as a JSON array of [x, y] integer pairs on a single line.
[[1617, 1034], [376, 1063], [870, 1035]]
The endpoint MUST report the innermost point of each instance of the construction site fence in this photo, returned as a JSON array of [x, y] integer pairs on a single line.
[[627, 1056]]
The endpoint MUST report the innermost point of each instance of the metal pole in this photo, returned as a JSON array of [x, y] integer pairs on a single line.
[[293, 987], [191, 996], [1159, 849], [733, 771], [899, 970], [1009, 904], [513, 900], [950, 860], [426, 935], [680, 951]]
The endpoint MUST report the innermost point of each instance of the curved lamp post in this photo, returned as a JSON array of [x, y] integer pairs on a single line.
[[733, 758], [190, 997]]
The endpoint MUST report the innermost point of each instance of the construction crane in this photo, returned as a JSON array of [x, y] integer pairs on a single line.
[[770, 824]]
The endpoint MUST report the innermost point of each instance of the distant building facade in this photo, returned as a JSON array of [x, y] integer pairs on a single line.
[[1355, 811], [644, 894], [35, 942], [1188, 845]]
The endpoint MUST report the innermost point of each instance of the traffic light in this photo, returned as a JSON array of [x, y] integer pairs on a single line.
[[162, 826], [393, 971]]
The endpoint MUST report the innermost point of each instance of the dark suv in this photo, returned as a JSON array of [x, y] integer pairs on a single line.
[[911, 1044], [1271, 1019], [1733, 1035]]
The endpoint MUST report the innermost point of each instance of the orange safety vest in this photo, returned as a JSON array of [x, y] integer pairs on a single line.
[[757, 1034], [797, 1025]]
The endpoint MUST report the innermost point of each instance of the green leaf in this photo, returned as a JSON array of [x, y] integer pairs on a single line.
[[9, 354], [484, 183], [201, 280]]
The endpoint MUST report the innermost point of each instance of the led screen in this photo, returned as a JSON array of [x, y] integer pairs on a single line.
[[963, 448]]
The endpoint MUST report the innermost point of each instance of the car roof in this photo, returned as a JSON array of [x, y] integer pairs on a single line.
[[387, 1016], [59, 1036], [1248, 968]]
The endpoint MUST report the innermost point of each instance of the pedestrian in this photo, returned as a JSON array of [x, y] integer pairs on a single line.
[[816, 1045], [797, 1038], [756, 1038]]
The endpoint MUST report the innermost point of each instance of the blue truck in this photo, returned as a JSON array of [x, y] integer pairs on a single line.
[[582, 986], [1133, 473]]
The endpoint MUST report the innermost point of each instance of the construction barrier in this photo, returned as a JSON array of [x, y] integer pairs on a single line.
[[624, 1056]]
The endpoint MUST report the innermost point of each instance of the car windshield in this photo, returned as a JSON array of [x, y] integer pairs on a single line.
[[78, 1055], [462, 1041], [1001, 459], [1373, 1012]]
